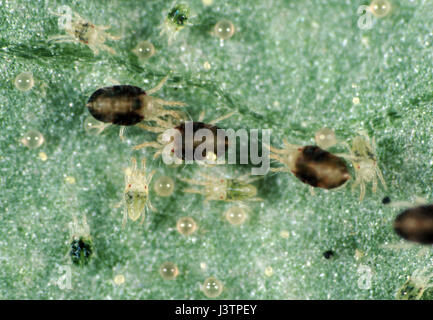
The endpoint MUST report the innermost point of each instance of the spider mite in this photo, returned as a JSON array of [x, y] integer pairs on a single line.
[[177, 18], [364, 161], [227, 190], [128, 105], [136, 193], [83, 31], [416, 224], [415, 286], [182, 141], [312, 165], [81, 243]]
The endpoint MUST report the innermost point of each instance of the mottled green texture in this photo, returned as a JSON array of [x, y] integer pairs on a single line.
[[291, 66]]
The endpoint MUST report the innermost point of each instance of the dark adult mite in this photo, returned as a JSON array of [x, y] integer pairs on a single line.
[[128, 105], [416, 224], [312, 165], [175, 140]]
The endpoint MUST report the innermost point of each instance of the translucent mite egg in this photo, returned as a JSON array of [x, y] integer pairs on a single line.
[[269, 271], [24, 81], [70, 180], [284, 234], [224, 29], [236, 215], [212, 287], [325, 138], [356, 100], [168, 271], [119, 279], [164, 186], [186, 226], [380, 8], [33, 139], [144, 50], [43, 156], [93, 126]]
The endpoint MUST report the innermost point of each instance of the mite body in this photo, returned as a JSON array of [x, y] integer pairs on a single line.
[[83, 31], [228, 190], [415, 286], [177, 18], [312, 165], [191, 140], [187, 151], [121, 105], [416, 224], [128, 105], [81, 250], [136, 193], [364, 161], [81, 243]]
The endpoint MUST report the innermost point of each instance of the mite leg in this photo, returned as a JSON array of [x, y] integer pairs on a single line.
[[62, 38], [204, 175], [312, 191], [143, 164], [362, 194], [150, 176], [163, 124], [125, 218], [192, 181], [278, 158], [108, 35], [255, 199], [169, 103], [172, 113], [155, 145], [151, 206], [122, 133], [374, 185], [193, 191], [382, 180], [157, 154], [201, 116], [275, 150], [94, 49], [158, 86], [222, 118], [149, 128], [134, 164]]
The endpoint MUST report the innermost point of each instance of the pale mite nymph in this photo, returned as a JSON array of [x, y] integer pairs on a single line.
[[415, 286], [83, 31], [364, 161], [177, 18], [136, 193], [221, 189]]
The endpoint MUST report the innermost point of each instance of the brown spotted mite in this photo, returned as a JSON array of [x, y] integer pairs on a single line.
[[416, 224], [172, 141], [182, 150], [312, 165], [128, 105]]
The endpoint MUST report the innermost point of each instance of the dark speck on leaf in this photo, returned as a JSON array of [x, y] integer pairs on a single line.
[[328, 254], [386, 200]]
